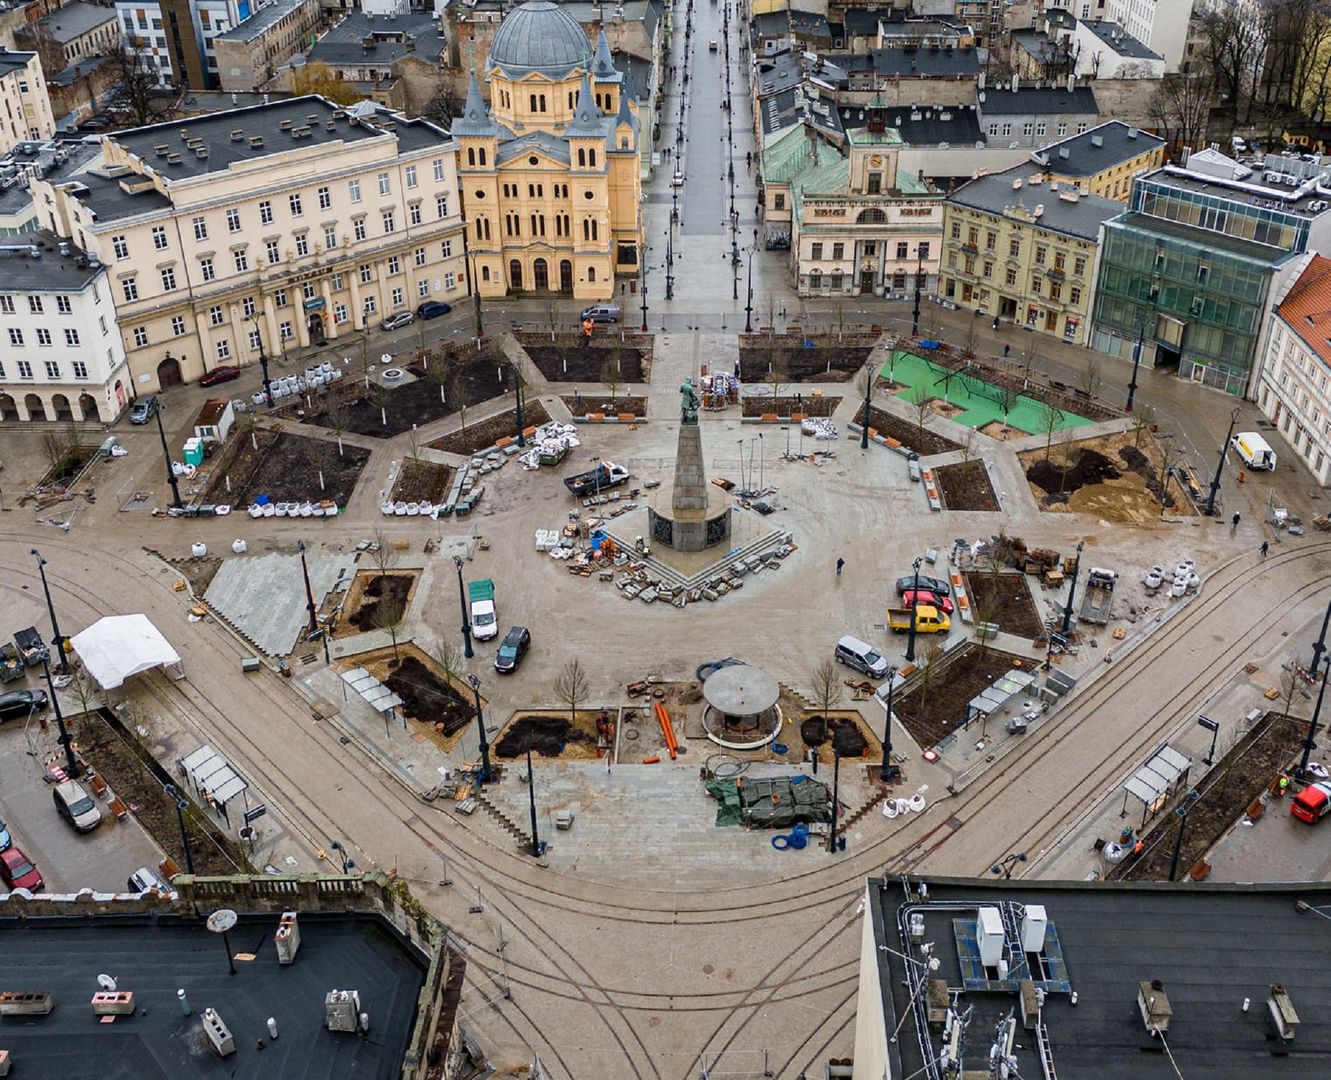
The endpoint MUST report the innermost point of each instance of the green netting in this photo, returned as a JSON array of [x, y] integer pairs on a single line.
[[752, 801], [979, 400], [727, 802]]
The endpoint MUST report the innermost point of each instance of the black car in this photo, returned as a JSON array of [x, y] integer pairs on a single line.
[[19, 703], [931, 584], [512, 649], [432, 309]]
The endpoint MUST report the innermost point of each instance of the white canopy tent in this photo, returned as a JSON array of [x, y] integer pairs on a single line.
[[118, 647]]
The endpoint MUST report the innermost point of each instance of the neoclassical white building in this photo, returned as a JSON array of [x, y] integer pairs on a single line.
[[61, 355]]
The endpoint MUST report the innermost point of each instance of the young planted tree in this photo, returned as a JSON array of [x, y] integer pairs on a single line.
[[778, 375], [382, 554], [379, 397], [920, 398], [339, 419], [968, 445], [439, 373], [971, 339], [461, 399], [826, 690], [319, 454], [1007, 398], [571, 687], [246, 424], [1051, 416], [551, 317], [1141, 424], [612, 377], [928, 671], [388, 613], [1091, 374], [413, 444]]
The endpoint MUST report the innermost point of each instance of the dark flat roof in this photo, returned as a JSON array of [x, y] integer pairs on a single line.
[[49, 272], [153, 958], [1211, 947], [1119, 40], [924, 125], [394, 36], [926, 62], [1097, 149], [1034, 100]]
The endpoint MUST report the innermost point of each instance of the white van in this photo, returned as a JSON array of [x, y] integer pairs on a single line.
[[1255, 451], [861, 656]]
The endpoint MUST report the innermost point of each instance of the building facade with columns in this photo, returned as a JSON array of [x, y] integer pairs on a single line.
[[550, 170], [272, 227]]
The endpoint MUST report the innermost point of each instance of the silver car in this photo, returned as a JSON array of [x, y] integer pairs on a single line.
[[76, 806]]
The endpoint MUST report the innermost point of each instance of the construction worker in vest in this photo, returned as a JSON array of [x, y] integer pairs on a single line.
[[587, 327], [1284, 785]]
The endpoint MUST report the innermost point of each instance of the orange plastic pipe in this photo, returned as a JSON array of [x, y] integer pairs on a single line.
[[666, 729], [651, 760]]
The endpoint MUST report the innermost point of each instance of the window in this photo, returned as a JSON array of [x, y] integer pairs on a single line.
[[296, 208], [285, 331], [411, 176], [438, 165], [922, 250], [973, 237], [970, 264], [303, 244], [247, 307], [358, 228], [140, 336], [337, 283], [450, 281], [903, 249], [423, 288], [24, 370], [1060, 260], [15, 336], [779, 202], [330, 237], [1074, 295], [419, 255], [325, 198], [71, 337], [1036, 287], [101, 324], [1028, 129], [233, 221], [1063, 128], [224, 349], [177, 325], [308, 290], [394, 265], [399, 298], [353, 189], [366, 273], [280, 298], [371, 305], [993, 129], [215, 317], [80, 369], [1081, 128], [206, 267], [1011, 278], [1007, 128], [7, 304], [414, 213], [816, 251], [255, 340], [875, 183], [271, 252], [339, 313], [130, 287], [446, 249], [1039, 255], [265, 212], [870, 247], [384, 188], [241, 260], [200, 229], [63, 305], [389, 223], [35, 304], [52, 369], [1055, 291], [990, 241], [1040, 128], [441, 205], [159, 237], [988, 268]]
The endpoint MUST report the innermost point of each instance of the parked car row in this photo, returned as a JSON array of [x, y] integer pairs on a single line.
[[926, 601]]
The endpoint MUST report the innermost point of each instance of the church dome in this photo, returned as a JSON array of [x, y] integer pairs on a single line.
[[542, 37]]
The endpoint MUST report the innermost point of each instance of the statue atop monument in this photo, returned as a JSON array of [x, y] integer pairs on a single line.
[[688, 402]]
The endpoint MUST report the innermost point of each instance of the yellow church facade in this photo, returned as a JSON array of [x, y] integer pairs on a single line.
[[549, 169]]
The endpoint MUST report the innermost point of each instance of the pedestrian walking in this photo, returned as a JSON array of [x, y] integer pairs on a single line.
[[1234, 523], [1266, 547], [995, 322], [840, 563], [1006, 349]]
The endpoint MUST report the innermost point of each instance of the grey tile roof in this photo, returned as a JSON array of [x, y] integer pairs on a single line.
[[77, 70], [1118, 39], [925, 125], [994, 193], [542, 37], [1039, 100], [13, 61], [394, 37], [1211, 946], [924, 63], [261, 20], [49, 272], [72, 21], [1096, 149], [779, 73], [551, 145]]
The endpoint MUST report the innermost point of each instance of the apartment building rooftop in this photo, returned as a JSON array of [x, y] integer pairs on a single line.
[[1046, 205], [267, 16], [41, 262], [1097, 149], [72, 21], [377, 40], [1018, 100], [13, 61]]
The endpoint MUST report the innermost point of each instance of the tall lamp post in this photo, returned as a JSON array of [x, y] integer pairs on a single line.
[[348, 863], [642, 267], [1214, 728], [748, 308], [462, 599], [486, 773], [919, 273], [1072, 588], [836, 781], [670, 264], [1308, 745], [536, 846], [263, 361], [182, 804], [57, 638], [869, 379], [1220, 465], [915, 591], [1182, 812], [1136, 358], [310, 606], [166, 454], [65, 740], [1319, 646], [888, 772]]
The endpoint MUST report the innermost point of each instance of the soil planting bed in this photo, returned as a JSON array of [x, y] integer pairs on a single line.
[[1004, 600], [485, 433], [137, 779], [966, 486], [934, 708], [906, 432], [1110, 476], [286, 468], [824, 363], [602, 403], [422, 481], [551, 735], [570, 359], [846, 725], [69, 466], [198, 572], [808, 404], [438, 710], [1227, 790], [369, 592]]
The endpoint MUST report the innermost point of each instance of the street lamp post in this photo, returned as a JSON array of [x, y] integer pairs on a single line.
[[65, 739], [57, 638], [1003, 868], [1214, 728], [836, 782], [1319, 646], [670, 264], [263, 361], [915, 314], [642, 267], [1220, 465], [536, 846], [310, 606], [1182, 812], [1136, 358], [182, 804], [486, 773], [748, 308], [915, 592], [170, 472], [1308, 745], [1072, 588], [462, 599], [888, 772], [868, 401], [348, 863]]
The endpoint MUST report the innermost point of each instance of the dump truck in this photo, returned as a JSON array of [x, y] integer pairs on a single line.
[[484, 620], [31, 647], [605, 475], [11, 664], [928, 620], [1099, 595]]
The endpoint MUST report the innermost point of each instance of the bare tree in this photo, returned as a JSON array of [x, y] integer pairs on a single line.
[[247, 424], [968, 445], [413, 444], [136, 92], [1051, 417], [382, 553], [339, 419], [319, 454], [778, 375], [611, 376], [378, 396], [1181, 106], [1141, 424], [920, 398], [1234, 45], [1091, 374], [1007, 398], [928, 670], [448, 658], [826, 690], [462, 399], [439, 373], [439, 109], [972, 338], [571, 687], [388, 613]]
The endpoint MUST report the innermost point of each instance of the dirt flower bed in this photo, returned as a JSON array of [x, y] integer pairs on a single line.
[[603, 403], [422, 481], [785, 405], [286, 468], [371, 593], [822, 363], [1005, 600], [966, 486], [572, 358], [71, 463], [551, 734], [1227, 790], [198, 572], [483, 434], [906, 432], [846, 726], [437, 709], [933, 703]]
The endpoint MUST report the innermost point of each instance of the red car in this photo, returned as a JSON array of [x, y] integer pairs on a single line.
[[18, 873], [1312, 803], [943, 603], [220, 375]]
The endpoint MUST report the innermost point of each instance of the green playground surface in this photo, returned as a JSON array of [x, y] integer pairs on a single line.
[[980, 401]]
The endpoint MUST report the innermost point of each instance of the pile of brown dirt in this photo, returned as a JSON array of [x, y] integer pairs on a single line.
[[547, 736], [1085, 468], [383, 592], [427, 698]]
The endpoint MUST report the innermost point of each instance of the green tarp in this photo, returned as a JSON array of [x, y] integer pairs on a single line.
[[770, 802]]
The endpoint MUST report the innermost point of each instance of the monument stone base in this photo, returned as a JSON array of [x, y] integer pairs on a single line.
[[691, 529]]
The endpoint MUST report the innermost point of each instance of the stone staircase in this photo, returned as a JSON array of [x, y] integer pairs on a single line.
[[878, 792], [503, 820], [673, 578]]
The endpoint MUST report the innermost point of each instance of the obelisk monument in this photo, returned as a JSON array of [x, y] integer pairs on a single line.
[[699, 513]]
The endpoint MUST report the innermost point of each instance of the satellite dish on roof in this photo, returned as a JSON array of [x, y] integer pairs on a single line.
[[107, 983]]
